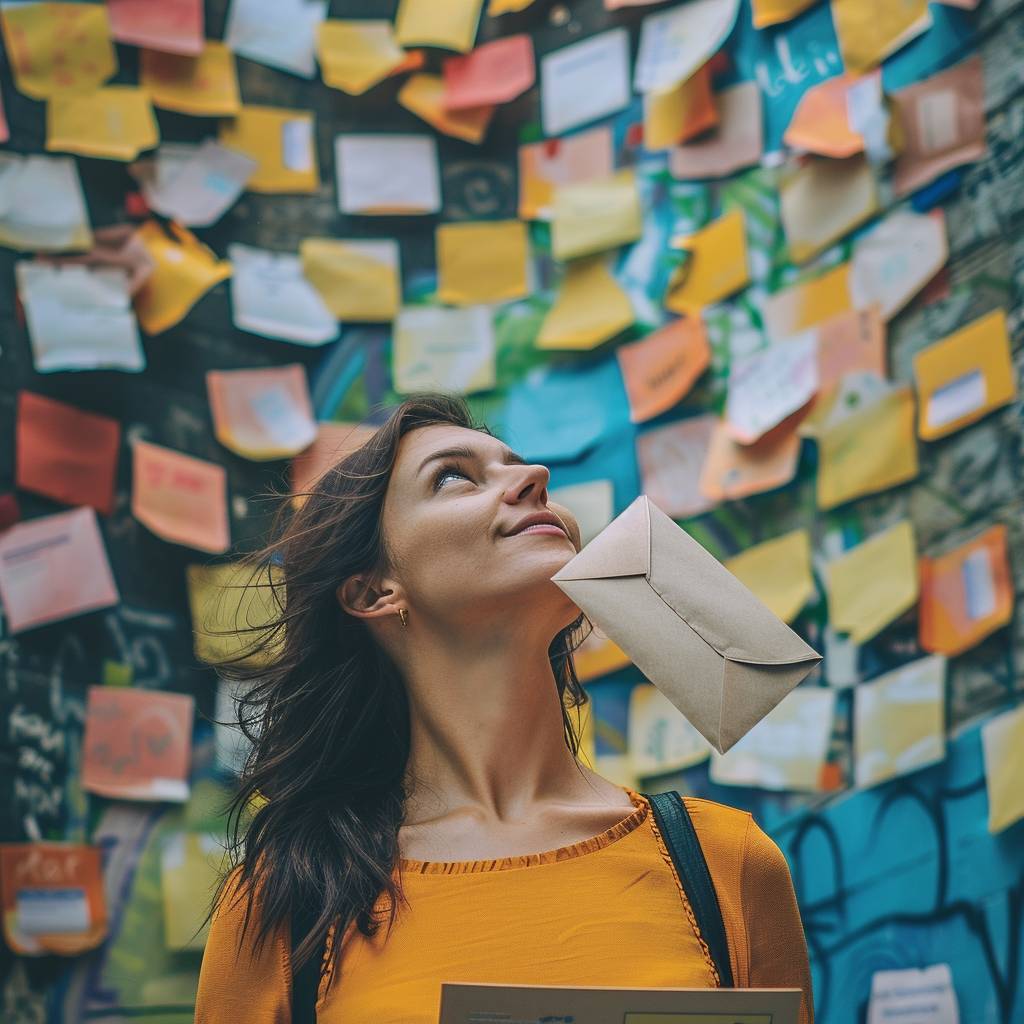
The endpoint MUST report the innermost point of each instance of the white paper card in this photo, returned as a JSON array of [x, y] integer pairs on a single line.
[[79, 318], [52, 911], [42, 206], [914, 996], [979, 587], [281, 33], [768, 385], [896, 259], [271, 296], [676, 42], [388, 174], [197, 188], [280, 417], [956, 398], [585, 81]]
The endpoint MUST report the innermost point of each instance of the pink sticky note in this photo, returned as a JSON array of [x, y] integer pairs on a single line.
[[174, 26], [54, 567], [496, 72], [180, 498]]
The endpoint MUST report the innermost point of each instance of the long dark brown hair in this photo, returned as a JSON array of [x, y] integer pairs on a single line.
[[314, 820]]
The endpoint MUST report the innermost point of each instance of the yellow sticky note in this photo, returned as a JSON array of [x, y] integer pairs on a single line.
[[184, 270], [203, 86], [496, 7], [356, 55], [58, 47], [772, 12], [115, 123], [674, 115], [423, 94], [808, 304], [900, 721], [481, 261], [591, 308], [281, 143], [224, 600], [1002, 740], [592, 216], [873, 583], [358, 279], [448, 24], [190, 865], [778, 572], [824, 200], [715, 268], [870, 30], [964, 377], [436, 348], [870, 451]]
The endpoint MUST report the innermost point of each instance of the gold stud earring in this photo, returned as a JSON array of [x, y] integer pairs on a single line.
[[404, 616]]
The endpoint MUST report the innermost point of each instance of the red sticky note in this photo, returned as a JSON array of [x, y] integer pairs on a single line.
[[66, 453], [496, 72], [173, 26]]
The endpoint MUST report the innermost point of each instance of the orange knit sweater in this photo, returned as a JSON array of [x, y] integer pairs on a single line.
[[604, 911]]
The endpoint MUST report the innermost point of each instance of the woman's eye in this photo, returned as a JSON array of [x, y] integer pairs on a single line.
[[447, 471]]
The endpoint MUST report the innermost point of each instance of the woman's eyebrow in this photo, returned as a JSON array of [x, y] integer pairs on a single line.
[[509, 457]]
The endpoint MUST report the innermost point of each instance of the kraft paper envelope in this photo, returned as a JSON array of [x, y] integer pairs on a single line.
[[719, 654]]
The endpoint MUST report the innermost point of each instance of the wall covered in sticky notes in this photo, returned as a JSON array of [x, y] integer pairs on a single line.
[[762, 260]]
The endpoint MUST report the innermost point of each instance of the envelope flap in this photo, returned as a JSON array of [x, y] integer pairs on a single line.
[[622, 548], [713, 602]]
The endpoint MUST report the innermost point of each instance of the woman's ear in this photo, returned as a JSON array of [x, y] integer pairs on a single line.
[[367, 598]]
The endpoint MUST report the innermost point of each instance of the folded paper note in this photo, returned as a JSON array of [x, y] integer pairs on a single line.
[[424, 94], [719, 654], [356, 55], [591, 308], [734, 143]]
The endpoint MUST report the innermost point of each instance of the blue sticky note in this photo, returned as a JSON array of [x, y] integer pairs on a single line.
[[785, 60]]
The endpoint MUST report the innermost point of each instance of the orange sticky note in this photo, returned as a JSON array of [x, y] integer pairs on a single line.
[[716, 267], [264, 413], [821, 123], [964, 377], [674, 115], [424, 95], [966, 594], [205, 85], [597, 656], [333, 442], [184, 270], [5, 131], [53, 899], [496, 72], [137, 744], [180, 498], [671, 459], [58, 47], [850, 342], [733, 470], [660, 369], [65, 453], [174, 26]]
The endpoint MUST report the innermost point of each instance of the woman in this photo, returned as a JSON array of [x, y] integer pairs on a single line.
[[415, 762]]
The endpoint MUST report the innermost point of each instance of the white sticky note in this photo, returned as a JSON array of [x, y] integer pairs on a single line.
[[79, 318], [914, 996], [585, 81], [42, 206], [387, 174], [957, 398], [676, 42], [297, 144], [52, 911], [280, 33], [271, 296]]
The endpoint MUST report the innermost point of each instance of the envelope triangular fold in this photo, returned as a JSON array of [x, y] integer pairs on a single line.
[[621, 549]]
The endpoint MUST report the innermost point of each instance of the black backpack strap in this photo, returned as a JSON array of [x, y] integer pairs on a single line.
[[306, 980], [676, 827]]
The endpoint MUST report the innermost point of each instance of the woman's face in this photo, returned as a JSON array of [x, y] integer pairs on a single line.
[[448, 519]]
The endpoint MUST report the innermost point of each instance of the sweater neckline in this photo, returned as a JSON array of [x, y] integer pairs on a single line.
[[524, 860]]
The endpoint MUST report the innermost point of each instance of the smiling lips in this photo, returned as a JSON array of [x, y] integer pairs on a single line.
[[542, 528]]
